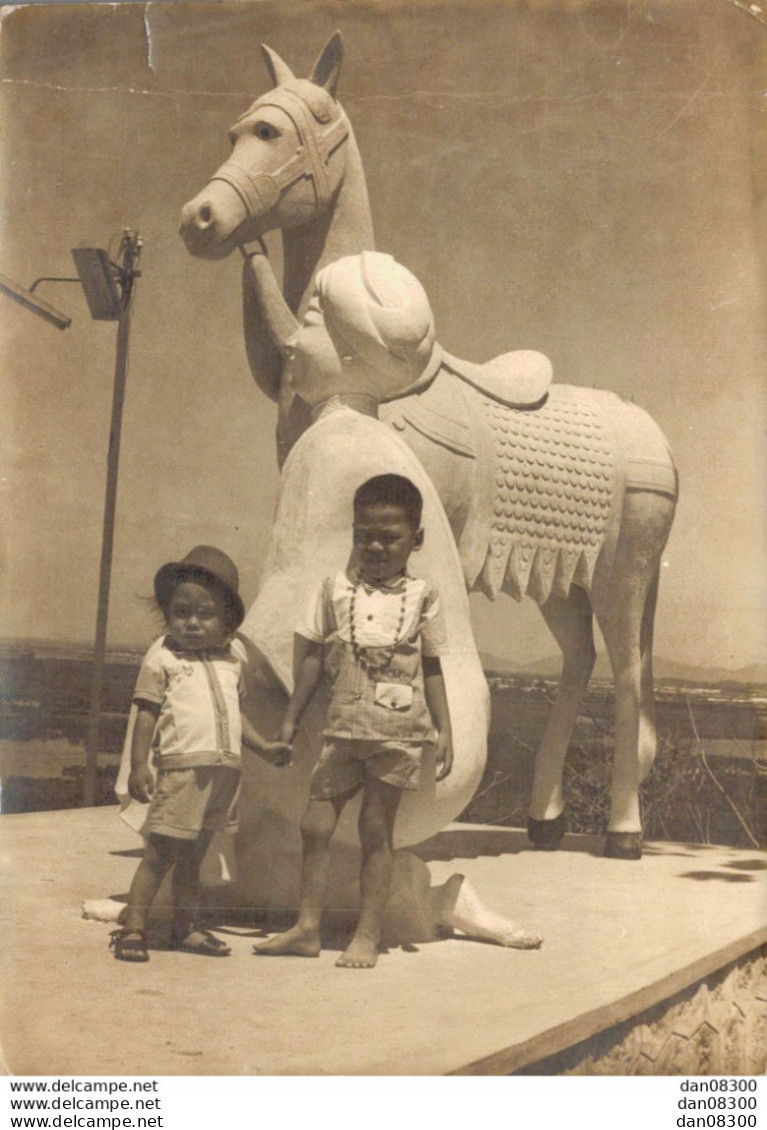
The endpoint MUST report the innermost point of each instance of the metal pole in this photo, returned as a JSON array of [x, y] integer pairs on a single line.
[[131, 251]]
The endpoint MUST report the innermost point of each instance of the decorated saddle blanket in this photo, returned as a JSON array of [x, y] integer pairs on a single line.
[[547, 480], [555, 485]]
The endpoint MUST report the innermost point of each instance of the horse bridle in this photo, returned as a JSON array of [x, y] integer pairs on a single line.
[[261, 192]]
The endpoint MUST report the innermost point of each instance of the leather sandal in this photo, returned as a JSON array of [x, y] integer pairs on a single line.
[[129, 944]]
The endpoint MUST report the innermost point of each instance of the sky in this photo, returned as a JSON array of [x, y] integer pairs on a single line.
[[582, 179]]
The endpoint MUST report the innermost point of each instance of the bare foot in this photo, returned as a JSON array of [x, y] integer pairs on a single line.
[[361, 953], [458, 906], [297, 941], [520, 939], [494, 928]]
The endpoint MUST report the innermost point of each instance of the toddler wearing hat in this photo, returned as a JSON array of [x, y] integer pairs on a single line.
[[188, 709]]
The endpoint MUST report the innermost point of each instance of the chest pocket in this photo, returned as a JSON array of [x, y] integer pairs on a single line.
[[394, 696]]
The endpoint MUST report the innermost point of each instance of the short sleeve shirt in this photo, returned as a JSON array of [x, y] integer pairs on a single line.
[[198, 693], [378, 612], [373, 640]]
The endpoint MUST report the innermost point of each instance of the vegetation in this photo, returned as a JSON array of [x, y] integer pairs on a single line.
[[689, 796]]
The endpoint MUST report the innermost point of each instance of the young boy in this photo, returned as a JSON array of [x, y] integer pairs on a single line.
[[377, 633], [188, 698]]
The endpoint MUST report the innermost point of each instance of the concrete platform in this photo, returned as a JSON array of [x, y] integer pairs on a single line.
[[619, 938]]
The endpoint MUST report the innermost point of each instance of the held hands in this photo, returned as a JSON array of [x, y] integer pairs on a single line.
[[280, 754], [443, 754], [277, 753], [141, 784]]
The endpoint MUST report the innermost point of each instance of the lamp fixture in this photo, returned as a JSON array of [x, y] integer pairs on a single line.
[[99, 279], [30, 301], [106, 285]]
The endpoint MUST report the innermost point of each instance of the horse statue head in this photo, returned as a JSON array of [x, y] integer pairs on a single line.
[[288, 161], [295, 166]]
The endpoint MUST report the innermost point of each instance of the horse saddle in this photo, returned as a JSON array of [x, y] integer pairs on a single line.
[[519, 379]]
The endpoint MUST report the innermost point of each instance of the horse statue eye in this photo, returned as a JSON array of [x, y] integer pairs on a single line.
[[264, 131]]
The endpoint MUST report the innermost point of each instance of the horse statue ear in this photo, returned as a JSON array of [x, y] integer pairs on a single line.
[[327, 70], [279, 72]]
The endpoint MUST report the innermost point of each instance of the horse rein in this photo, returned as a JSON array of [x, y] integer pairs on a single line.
[[260, 193]]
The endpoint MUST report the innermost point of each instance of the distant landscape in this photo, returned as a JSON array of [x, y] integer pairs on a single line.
[[709, 783], [754, 675]]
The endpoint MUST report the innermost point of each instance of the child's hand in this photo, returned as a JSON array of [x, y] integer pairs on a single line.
[[279, 753], [141, 784], [443, 755]]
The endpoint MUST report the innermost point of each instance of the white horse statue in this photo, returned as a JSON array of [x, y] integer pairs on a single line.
[[562, 493]]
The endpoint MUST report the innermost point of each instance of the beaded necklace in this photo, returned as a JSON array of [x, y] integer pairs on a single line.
[[386, 651]]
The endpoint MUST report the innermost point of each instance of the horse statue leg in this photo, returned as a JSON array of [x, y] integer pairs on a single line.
[[624, 600], [570, 621], [624, 604]]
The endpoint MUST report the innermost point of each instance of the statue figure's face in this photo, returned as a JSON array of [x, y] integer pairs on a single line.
[[322, 364], [314, 369]]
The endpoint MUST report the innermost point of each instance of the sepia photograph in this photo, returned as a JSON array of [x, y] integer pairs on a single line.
[[383, 470]]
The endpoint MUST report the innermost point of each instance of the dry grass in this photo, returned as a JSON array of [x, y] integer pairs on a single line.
[[689, 796]]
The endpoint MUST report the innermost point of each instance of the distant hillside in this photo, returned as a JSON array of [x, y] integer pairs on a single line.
[[755, 673], [72, 650], [549, 667], [498, 665]]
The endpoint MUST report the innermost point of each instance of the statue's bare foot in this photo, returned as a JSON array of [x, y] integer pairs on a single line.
[[457, 905], [520, 939], [297, 941], [361, 953]]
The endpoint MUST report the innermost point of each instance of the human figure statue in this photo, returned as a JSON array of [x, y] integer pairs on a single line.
[[538, 491], [345, 447]]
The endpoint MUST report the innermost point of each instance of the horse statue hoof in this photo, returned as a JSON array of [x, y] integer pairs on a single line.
[[623, 845], [546, 835]]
